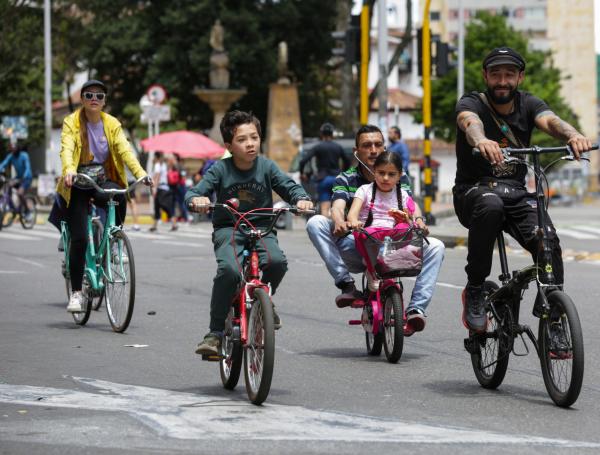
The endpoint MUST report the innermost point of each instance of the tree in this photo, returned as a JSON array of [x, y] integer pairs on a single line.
[[482, 35]]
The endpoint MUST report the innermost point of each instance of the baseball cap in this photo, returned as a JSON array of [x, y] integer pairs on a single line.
[[327, 129], [93, 83], [504, 56]]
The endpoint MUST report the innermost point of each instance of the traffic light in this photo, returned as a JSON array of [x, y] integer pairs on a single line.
[[443, 58], [348, 42], [420, 51]]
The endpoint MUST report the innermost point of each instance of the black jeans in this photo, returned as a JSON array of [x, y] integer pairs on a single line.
[[77, 212], [486, 210]]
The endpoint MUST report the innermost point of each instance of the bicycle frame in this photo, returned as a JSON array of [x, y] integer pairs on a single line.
[[374, 300]]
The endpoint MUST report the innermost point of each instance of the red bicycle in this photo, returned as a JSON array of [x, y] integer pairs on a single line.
[[249, 329]]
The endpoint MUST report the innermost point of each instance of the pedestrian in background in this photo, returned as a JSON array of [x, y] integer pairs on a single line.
[[398, 146], [163, 197]]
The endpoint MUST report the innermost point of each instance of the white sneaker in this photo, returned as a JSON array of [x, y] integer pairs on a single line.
[[372, 282], [76, 302]]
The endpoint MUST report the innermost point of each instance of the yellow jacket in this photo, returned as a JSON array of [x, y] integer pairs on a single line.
[[119, 152]]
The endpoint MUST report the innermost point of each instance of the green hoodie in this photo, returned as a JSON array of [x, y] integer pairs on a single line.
[[254, 188]]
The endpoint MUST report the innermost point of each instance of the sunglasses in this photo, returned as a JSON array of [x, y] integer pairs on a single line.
[[94, 96]]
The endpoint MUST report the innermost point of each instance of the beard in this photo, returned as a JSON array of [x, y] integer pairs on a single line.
[[502, 99]]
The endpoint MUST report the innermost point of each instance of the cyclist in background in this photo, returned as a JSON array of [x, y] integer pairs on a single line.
[[399, 147], [328, 154], [19, 159], [490, 194]]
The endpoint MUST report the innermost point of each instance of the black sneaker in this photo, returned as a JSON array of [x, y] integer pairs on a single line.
[[559, 344], [474, 315], [348, 296]]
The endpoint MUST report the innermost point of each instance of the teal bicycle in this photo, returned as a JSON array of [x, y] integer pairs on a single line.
[[109, 271]]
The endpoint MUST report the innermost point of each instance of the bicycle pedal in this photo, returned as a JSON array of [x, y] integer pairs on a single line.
[[212, 357]]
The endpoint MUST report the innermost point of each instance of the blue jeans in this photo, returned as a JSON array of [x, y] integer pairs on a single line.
[[342, 258]]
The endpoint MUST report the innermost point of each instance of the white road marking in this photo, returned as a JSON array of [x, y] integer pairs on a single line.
[[451, 286], [173, 242], [11, 272], [575, 234], [30, 262], [591, 229], [11, 236], [180, 415]]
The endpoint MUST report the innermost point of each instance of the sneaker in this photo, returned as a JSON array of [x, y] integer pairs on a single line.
[[211, 345], [152, 229], [559, 344], [174, 228], [76, 302], [474, 315], [136, 227], [348, 296], [372, 281], [276, 319], [415, 320]]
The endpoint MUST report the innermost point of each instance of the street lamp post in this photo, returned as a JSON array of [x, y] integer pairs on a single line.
[[47, 77]]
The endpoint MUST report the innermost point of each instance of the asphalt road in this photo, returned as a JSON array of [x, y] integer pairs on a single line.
[[67, 389]]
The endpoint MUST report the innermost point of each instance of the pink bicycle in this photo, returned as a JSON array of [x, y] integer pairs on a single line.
[[389, 254]]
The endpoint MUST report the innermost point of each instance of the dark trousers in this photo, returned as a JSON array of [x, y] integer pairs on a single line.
[[485, 211], [163, 200], [228, 279], [77, 212]]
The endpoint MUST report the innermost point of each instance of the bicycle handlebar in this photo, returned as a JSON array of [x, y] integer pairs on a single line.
[[109, 191], [534, 150], [243, 227]]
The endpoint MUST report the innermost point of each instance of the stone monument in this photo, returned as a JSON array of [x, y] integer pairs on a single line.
[[219, 96], [284, 128]]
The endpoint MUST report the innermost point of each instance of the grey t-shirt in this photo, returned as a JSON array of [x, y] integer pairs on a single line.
[[98, 142]]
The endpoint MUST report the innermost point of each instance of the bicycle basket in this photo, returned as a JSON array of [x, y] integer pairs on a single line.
[[402, 257]]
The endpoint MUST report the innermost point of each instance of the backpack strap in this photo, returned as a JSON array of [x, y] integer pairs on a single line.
[[502, 125]]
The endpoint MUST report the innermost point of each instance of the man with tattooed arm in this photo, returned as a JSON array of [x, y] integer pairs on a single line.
[[489, 194]]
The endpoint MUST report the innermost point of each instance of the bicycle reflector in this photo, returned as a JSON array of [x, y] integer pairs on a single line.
[[233, 203]]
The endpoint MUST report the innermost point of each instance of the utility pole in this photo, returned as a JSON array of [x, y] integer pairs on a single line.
[[460, 82], [47, 77], [426, 69], [364, 64], [382, 48]]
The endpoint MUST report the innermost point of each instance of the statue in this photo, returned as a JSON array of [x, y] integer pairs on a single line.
[[216, 37], [219, 60], [282, 63]]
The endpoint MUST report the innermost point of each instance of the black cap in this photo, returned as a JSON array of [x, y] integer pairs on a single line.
[[327, 129], [93, 83], [504, 56]]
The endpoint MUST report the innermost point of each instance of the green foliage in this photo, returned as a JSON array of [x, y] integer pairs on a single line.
[[482, 35]]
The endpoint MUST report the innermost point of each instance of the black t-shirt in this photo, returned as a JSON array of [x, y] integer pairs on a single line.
[[328, 154], [469, 168]]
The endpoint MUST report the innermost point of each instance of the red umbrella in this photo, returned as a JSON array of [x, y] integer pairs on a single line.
[[186, 144]]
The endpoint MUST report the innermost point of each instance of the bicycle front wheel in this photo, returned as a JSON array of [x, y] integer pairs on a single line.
[[8, 215], [119, 282], [231, 361], [259, 352], [393, 324], [561, 350], [28, 215], [492, 348]]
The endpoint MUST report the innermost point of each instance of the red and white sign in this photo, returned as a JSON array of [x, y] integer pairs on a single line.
[[156, 94]]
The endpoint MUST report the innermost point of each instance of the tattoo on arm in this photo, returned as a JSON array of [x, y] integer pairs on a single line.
[[560, 129], [472, 125]]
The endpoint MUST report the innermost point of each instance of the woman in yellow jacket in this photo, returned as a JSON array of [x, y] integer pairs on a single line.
[[91, 137]]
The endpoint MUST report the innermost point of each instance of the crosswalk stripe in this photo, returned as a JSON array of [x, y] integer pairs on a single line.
[[172, 242], [575, 234]]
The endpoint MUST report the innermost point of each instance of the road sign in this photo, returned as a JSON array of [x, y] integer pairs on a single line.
[[156, 93], [156, 113]]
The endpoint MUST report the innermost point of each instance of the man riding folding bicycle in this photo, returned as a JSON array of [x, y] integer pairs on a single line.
[[489, 193]]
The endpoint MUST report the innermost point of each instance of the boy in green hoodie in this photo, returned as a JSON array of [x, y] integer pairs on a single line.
[[251, 179]]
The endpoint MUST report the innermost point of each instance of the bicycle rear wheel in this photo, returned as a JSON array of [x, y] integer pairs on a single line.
[[393, 324], [28, 215], [98, 229], [230, 365], [373, 342], [119, 282], [561, 350], [492, 348], [259, 352]]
